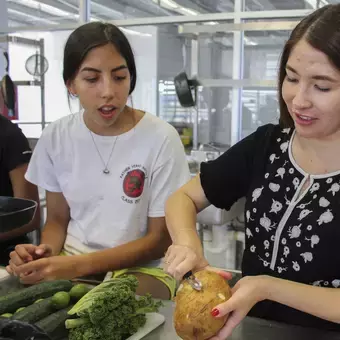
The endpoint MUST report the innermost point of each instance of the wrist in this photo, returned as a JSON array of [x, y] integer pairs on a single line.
[[52, 249], [187, 236], [81, 265], [196, 247], [265, 284]]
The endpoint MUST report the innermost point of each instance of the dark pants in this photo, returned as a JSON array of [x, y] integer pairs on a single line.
[[7, 246]]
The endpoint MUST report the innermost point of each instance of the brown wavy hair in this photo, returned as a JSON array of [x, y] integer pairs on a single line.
[[321, 29]]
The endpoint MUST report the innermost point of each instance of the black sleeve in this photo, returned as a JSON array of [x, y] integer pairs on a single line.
[[228, 178], [17, 150]]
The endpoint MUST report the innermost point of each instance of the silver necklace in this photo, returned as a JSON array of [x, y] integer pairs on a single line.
[[106, 171]]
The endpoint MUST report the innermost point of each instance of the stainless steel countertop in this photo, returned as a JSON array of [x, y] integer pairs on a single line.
[[249, 329]]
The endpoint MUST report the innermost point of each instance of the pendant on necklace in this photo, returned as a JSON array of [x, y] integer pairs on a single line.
[[106, 171]]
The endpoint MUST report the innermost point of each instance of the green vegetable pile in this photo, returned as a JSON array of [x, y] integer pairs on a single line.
[[110, 311], [45, 305]]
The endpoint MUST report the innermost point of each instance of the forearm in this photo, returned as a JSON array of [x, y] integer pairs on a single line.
[[321, 302], [135, 253], [54, 235], [181, 215]]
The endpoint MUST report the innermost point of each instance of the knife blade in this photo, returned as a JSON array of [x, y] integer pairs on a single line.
[[193, 281]]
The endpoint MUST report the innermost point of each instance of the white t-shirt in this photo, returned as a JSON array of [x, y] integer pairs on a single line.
[[148, 163]]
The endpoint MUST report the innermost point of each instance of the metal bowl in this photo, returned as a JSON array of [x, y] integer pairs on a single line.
[[15, 212]]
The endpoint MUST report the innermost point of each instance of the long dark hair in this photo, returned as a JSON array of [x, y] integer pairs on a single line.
[[89, 36], [321, 29]]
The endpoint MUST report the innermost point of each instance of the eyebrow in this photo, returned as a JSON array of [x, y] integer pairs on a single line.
[[316, 77], [92, 69]]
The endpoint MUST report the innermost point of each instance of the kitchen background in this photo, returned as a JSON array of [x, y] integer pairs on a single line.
[[230, 47]]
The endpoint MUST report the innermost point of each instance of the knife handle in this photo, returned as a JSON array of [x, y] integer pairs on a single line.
[[187, 275]]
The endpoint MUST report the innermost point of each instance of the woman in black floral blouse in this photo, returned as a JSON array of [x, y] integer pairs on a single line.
[[290, 176]]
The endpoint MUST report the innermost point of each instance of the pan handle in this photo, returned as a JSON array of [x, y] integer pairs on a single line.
[[7, 60]]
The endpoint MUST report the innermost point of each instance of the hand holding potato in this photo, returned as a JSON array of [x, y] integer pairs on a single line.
[[181, 259], [245, 294]]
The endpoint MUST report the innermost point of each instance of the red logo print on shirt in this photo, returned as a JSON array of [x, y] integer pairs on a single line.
[[133, 184]]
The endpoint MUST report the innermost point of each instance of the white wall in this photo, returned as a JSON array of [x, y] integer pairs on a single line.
[[3, 26], [144, 46], [56, 103]]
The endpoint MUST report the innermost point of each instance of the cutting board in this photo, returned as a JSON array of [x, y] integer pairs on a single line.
[[153, 320], [3, 273]]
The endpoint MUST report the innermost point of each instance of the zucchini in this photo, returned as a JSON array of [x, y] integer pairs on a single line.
[[25, 297], [35, 311], [54, 324]]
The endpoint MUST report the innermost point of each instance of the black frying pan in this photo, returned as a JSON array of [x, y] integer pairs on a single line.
[[8, 89], [15, 213], [183, 88]]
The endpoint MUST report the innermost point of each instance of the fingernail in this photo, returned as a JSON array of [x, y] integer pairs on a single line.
[[215, 312]]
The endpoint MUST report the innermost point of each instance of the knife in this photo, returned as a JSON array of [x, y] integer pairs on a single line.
[[193, 281]]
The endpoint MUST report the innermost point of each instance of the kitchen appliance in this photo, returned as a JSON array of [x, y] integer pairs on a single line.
[[15, 212]]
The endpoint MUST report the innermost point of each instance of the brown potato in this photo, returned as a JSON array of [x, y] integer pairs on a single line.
[[192, 316]]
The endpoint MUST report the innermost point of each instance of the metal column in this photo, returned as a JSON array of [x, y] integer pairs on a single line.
[[236, 112], [42, 87], [84, 11], [194, 73]]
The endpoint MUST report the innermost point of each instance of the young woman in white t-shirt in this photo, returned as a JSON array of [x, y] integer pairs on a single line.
[[107, 172]]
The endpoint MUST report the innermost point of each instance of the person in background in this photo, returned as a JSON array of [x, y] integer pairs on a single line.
[[15, 154], [107, 172], [290, 176]]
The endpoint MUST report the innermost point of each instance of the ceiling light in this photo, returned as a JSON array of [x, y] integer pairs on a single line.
[[169, 4], [248, 41], [42, 7], [32, 17], [187, 11], [133, 32]]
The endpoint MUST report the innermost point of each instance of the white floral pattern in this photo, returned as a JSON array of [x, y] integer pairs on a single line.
[[323, 202], [285, 227], [257, 193], [335, 188], [274, 187], [284, 147], [326, 217]]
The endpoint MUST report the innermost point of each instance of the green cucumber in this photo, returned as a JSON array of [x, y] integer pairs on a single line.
[[38, 300], [54, 324], [19, 309], [25, 297], [35, 311]]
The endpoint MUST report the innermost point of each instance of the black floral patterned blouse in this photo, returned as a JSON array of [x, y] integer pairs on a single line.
[[292, 219]]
